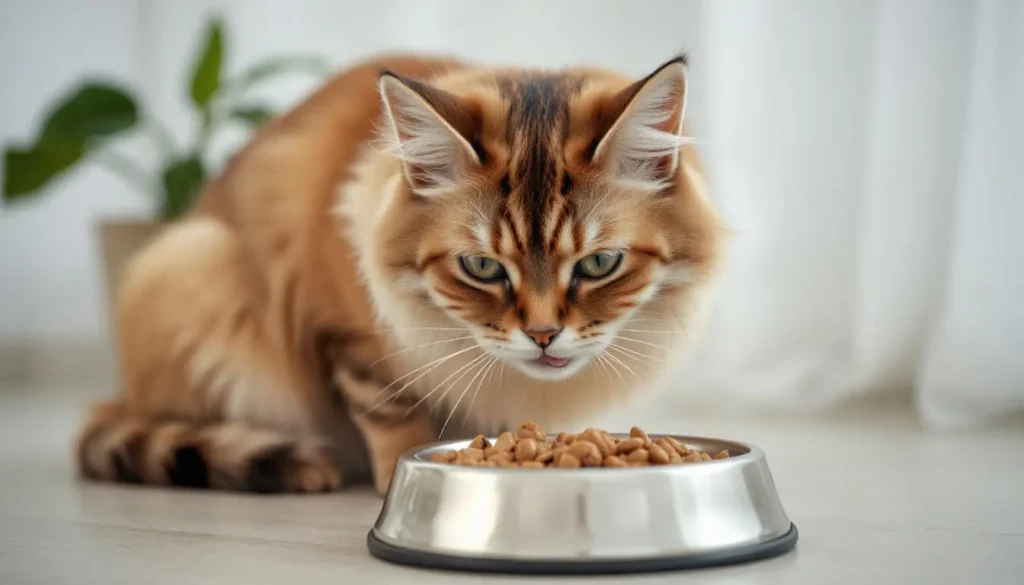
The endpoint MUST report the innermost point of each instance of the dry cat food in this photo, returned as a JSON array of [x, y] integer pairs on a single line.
[[529, 447]]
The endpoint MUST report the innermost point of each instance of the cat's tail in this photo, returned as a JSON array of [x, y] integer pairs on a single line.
[[117, 445]]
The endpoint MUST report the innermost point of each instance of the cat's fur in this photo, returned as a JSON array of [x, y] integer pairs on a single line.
[[264, 338]]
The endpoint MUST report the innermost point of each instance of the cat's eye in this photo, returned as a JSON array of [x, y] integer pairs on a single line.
[[482, 268], [598, 265]]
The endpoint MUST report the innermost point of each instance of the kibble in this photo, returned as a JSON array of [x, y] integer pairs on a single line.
[[505, 442], [471, 454], [587, 452], [658, 455], [529, 448], [640, 454], [501, 457], [529, 430], [628, 446], [679, 448], [638, 433], [594, 437], [614, 461], [547, 456], [568, 460], [526, 450], [480, 442]]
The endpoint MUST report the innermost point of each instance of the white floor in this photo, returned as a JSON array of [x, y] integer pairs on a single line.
[[876, 499]]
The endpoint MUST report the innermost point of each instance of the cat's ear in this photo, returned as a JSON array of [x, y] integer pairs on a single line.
[[643, 129], [428, 129]]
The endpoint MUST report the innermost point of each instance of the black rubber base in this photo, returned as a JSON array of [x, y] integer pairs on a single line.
[[764, 550]]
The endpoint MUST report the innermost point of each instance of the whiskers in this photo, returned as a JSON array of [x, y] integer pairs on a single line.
[[664, 325], [478, 368], [472, 400], [653, 330], [390, 329], [464, 368], [620, 345], [423, 371], [614, 356], [636, 355], [483, 369], [421, 346], [632, 355], [608, 367], [623, 364], [646, 343]]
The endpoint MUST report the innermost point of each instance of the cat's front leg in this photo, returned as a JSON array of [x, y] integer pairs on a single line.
[[389, 426]]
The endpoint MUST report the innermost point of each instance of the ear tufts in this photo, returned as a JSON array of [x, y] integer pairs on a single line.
[[433, 152], [642, 145]]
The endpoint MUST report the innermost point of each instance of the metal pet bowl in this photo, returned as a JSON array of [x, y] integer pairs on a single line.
[[590, 520]]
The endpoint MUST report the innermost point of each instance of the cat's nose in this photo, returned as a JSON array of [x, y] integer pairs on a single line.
[[543, 336]]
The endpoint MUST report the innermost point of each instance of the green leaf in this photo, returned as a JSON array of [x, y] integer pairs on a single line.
[[279, 65], [182, 180], [28, 170], [206, 73], [253, 115], [94, 111]]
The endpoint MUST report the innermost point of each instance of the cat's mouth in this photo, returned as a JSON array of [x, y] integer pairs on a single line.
[[549, 367], [544, 366], [551, 361]]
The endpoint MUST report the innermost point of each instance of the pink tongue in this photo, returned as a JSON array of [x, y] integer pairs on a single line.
[[553, 361]]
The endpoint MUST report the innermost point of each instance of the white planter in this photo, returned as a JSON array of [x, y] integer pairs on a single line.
[[119, 240]]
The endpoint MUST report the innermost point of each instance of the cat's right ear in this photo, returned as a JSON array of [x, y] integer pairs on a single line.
[[429, 129], [644, 131]]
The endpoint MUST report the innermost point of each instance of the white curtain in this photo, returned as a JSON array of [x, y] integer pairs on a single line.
[[868, 155], [972, 368]]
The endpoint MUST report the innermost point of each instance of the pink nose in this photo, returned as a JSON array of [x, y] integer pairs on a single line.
[[543, 336]]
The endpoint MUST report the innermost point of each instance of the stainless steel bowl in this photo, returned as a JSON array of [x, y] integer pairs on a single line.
[[591, 520]]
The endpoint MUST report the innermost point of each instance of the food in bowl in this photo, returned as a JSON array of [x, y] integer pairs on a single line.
[[530, 448]]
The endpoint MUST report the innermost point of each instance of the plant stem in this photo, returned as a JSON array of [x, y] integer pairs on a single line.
[[162, 137], [205, 132], [129, 170]]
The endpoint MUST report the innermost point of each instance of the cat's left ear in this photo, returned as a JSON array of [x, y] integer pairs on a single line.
[[429, 127], [643, 129]]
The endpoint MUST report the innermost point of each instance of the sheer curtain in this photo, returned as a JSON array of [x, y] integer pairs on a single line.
[[864, 153]]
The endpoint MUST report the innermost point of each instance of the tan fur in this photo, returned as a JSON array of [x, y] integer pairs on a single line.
[[260, 333]]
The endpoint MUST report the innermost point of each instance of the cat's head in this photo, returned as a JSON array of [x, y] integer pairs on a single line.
[[543, 211]]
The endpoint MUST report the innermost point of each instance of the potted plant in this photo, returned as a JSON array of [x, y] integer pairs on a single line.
[[82, 125]]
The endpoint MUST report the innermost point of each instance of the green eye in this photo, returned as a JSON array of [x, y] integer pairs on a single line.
[[598, 265], [482, 268]]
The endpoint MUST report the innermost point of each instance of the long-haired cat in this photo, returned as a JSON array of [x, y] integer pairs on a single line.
[[422, 246]]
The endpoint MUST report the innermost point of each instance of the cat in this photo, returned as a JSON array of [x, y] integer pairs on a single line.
[[423, 246]]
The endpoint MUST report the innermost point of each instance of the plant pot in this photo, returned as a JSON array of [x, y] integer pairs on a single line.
[[119, 240]]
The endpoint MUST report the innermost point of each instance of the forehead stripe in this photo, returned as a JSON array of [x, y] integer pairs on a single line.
[[538, 115]]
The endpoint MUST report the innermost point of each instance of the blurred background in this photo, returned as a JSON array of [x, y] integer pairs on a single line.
[[867, 155]]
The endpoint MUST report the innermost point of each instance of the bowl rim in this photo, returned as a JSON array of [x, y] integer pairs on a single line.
[[753, 453]]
